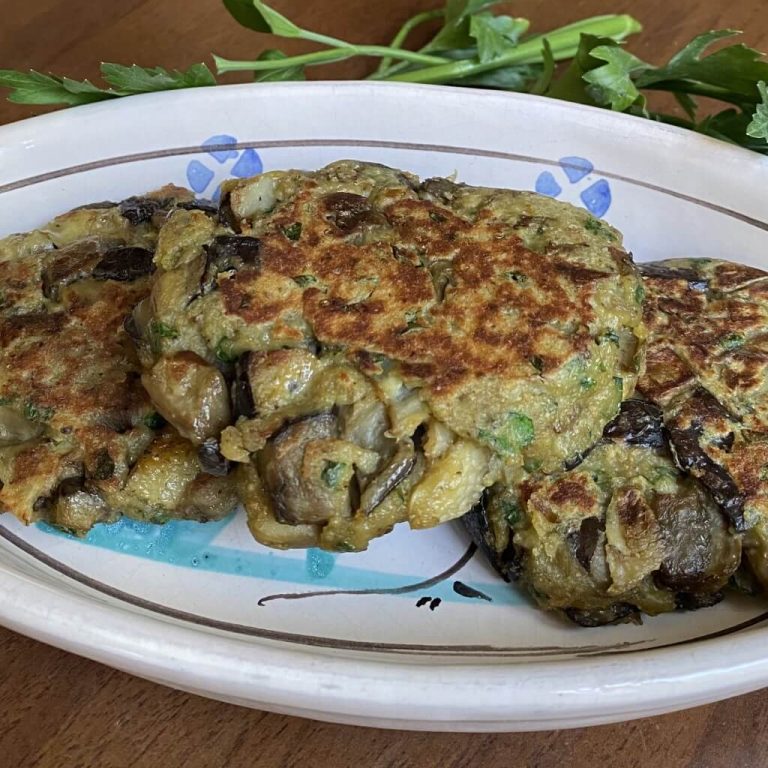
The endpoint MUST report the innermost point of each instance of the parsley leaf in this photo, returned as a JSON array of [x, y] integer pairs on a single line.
[[495, 34], [136, 79], [36, 88], [734, 70], [455, 32], [758, 128], [246, 13], [612, 84]]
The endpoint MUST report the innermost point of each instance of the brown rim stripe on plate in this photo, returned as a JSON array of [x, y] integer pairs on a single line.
[[461, 651], [440, 148]]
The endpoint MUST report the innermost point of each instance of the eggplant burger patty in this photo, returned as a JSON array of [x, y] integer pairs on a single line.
[[367, 348], [80, 441], [674, 498]]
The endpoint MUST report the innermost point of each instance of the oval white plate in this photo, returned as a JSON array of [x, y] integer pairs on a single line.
[[385, 638]]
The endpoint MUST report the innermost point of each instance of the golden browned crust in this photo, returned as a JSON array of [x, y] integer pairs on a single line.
[[75, 417]]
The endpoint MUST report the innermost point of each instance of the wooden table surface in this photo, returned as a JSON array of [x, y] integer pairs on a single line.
[[65, 712]]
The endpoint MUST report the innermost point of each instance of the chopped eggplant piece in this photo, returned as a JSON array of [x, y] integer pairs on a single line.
[[391, 476], [242, 395], [124, 264], [281, 469], [638, 423], [211, 460], [140, 210], [190, 394]]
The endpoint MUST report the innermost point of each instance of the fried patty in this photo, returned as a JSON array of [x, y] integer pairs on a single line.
[[708, 369], [624, 532], [392, 347], [80, 441], [707, 440]]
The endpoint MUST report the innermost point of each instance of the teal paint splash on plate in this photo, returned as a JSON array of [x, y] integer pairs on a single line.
[[188, 544]]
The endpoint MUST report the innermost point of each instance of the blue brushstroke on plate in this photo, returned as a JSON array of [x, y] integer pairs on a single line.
[[547, 185], [576, 168], [596, 197], [239, 164], [198, 176], [187, 544], [221, 155]]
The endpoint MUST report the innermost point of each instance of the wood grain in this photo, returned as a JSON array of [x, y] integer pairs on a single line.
[[60, 711]]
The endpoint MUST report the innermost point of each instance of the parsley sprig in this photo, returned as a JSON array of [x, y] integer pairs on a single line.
[[473, 46]]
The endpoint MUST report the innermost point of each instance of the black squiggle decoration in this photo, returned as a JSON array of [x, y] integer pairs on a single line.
[[457, 566], [460, 588]]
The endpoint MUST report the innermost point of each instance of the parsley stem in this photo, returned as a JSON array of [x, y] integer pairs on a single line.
[[399, 39], [564, 43], [324, 57], [698, 89]]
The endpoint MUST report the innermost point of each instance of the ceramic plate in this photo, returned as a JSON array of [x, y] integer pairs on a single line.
[[417, 632]]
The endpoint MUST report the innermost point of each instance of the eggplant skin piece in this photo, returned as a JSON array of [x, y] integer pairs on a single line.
[[360, 298], [624, 533], [707, 368], [80, 440]]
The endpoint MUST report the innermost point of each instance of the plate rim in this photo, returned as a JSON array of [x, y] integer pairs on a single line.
[[501, 702]]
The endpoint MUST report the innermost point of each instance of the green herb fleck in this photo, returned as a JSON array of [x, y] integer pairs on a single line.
[[162, 331], [293, 231], [304, 280], [537, 363], [154, 420], [509, 439], [511, 511], [332, 473], [532, 465], [225, 352], [437, 217], [35, 412], [732, 341], [412, 319], [610, 336], [764, 472], [587, 382], [7, 400], [516, 277], [639, 294]]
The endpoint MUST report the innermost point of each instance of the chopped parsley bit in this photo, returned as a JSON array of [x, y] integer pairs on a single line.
[[333, 473], [597, 227], [532, 465], [537, 363], [7, 400], [511, 511], [732, 341], [611, 336], [305, 280], [344, 546], [587, 382], [618, 382], [162, 331], [412, 318], [516, 277], [438, 217], [293, 231], [516, 432], [37, 412], [639, 294], [154, 420], [224, 351]]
